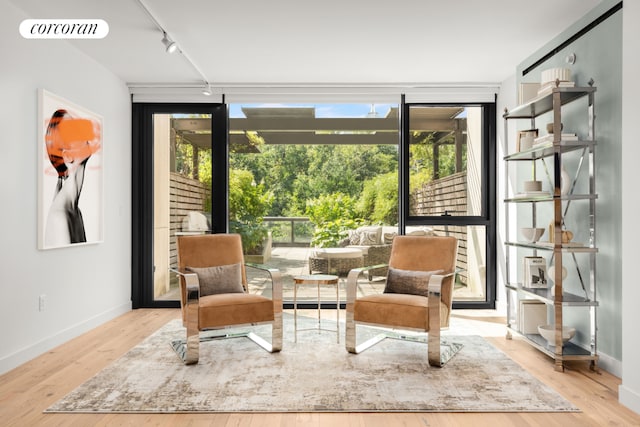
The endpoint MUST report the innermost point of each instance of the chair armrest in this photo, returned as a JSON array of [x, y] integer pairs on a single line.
[[276, 280], [435, 282], [189, 300], [352, 280], [192, 284]]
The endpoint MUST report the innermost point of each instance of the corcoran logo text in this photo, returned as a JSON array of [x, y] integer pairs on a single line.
[[64, 28]]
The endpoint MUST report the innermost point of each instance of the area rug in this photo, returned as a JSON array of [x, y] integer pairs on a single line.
[[314, 374]]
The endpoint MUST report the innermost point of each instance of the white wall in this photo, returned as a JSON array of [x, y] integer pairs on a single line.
[[84, 286], [629, 391]]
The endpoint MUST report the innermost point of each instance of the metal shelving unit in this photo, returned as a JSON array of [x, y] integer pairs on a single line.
[[546, 160]]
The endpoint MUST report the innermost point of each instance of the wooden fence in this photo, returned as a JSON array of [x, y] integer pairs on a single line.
[[185, 195], [446, 195]]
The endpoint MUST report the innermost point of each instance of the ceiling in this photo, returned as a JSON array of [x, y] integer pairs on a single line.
[[329, 42]]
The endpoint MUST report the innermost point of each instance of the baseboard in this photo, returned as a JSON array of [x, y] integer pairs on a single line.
[[629, 398], [16, 359], [609, 364]]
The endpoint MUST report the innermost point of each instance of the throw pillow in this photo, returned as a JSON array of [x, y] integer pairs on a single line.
[[370, 236], [223, 279], [426, 231], [408, 282], [354, 237], [344, 242], [387, 238]]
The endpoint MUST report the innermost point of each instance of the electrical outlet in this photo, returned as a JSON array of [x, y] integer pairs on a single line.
[[41, 302]]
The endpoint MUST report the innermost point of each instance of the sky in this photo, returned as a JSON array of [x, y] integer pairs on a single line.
[[322, 110]]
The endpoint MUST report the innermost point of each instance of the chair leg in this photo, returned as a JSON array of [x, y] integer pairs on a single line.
[[276, 336], [188, 350], [350, 324], [352, 347], [350, 333], [433, 343], [433, 348], [192, 353]]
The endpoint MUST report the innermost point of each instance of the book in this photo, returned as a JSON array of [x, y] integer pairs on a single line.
[[547, 87], [549, 138], [535, 272]]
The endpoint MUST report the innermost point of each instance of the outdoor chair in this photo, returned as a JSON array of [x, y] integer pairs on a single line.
[[417, 296], [213, 289]]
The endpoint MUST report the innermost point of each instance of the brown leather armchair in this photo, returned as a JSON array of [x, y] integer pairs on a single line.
[[418, 294], [214, 293]]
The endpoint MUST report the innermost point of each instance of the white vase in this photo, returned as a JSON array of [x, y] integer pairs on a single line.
[[552, 273]]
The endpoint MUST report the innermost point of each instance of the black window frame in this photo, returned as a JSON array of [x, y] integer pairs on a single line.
[[488, 217], [142, 266]]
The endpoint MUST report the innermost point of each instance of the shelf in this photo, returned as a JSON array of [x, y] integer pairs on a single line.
[[544, 295], [540, 151], [548, 246], [569, 349], [544, 103], [549, 198], [548, 154]]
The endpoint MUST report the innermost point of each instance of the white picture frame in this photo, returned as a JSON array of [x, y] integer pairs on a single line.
[[70, 174], [535, 273]]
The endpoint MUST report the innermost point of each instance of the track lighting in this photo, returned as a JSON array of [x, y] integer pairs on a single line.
[[169, 44], [171, 47]]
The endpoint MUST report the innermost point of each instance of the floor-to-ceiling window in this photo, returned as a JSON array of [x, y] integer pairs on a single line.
[[304, 177], [293, 177]]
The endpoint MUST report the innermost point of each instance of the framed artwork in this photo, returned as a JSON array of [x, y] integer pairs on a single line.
[[70, 173], [535, 272]]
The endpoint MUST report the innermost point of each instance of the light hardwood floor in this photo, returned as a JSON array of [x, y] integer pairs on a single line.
[[29, 389]]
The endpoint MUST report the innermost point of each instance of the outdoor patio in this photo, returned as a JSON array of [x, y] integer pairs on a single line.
[[292, 261]]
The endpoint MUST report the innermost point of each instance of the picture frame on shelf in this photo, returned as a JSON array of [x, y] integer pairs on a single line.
[[525, 139], [535, 273], [527, 92]]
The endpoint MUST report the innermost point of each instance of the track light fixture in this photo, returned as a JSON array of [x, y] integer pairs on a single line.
[[171, 47], [169, 44]]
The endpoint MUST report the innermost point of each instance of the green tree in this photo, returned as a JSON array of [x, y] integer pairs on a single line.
[[296, 174], [379, 200], [330, 207], [333, 215], [249, 202]]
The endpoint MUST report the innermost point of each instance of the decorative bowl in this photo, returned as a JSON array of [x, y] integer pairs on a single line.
[[531, 235], [548, 332]]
